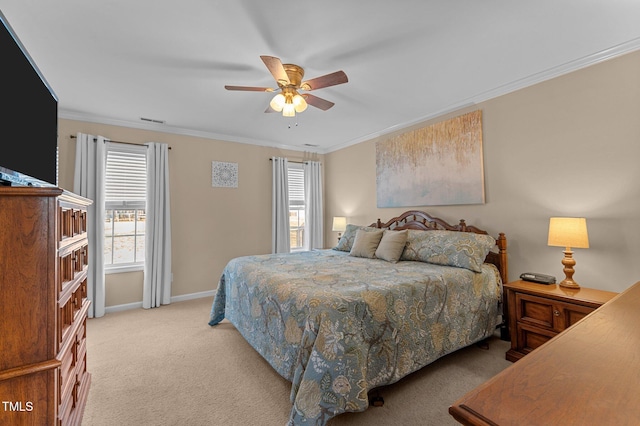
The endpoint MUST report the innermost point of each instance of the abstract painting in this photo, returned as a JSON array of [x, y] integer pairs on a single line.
[[440, 164]]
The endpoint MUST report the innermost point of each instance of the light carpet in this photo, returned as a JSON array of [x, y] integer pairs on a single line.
[[167, 366]]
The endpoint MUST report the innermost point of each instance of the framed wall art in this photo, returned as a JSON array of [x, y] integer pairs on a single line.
[[440, 164], [224, 175]]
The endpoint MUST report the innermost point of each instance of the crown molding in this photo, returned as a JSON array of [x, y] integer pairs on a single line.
[[575, 65], [569, 67], [163, 128]]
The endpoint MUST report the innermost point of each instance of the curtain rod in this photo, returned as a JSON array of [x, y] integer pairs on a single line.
[[109, 140], [292, 161]]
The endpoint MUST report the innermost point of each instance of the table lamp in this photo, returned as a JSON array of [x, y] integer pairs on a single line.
[[339, 225], [568, 232]]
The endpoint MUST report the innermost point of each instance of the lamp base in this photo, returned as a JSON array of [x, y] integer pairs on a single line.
[[568, 262], [566, 283]]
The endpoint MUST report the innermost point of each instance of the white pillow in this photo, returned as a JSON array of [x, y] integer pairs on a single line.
[[366, 243]]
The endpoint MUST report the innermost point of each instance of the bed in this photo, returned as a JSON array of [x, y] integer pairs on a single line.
[[389, 299]]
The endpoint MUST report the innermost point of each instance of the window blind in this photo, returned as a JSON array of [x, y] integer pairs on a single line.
[[126, 178], [296, 186]]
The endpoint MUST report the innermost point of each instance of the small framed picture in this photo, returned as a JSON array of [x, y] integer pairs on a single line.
[[224, 175]]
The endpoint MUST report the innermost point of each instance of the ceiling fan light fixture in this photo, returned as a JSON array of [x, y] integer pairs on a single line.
[[278, 102], [289, 78], [299, 103], [288, 110]]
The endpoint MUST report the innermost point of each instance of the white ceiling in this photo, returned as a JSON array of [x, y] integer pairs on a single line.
[[115, 61]]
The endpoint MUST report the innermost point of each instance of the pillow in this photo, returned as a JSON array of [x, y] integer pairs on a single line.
[[346, 240], [462, 249], [391, 245], [366, 243]]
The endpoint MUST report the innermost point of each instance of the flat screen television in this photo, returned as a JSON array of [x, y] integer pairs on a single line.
[[29, 118]]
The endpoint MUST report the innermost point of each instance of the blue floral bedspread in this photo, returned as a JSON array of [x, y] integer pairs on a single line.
[[337, 326]]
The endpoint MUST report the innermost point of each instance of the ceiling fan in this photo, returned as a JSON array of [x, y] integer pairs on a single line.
[[289, 79]]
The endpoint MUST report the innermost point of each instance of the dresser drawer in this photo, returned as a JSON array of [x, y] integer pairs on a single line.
[[81, 343], [70, 304], [67, 376], [73, 376], [73, 220], [72, 261]]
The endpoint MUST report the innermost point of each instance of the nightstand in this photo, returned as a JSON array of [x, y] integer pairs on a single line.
[[538, 312]]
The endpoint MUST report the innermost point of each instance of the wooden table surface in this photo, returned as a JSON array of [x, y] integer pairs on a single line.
[[587, 375]]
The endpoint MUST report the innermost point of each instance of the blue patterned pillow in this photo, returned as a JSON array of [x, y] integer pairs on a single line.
[[462, 249], [346, 240]]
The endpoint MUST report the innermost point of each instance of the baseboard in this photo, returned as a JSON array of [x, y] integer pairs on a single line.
[[125, 307], [179, 298], [183, 297]]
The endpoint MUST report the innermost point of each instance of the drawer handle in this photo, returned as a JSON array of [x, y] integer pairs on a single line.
[[556, 312]]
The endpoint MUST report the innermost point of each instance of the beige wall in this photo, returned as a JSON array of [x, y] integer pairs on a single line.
[[566, 147], [210, 225]]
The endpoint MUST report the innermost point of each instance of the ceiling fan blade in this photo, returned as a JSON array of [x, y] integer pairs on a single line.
[[250, 88], [338, 77], [317, 102], [276, 69]]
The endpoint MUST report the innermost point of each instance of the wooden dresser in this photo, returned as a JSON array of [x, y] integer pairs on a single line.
[[587, 375], [43, 306]]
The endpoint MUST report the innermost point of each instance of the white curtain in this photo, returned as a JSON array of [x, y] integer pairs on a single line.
[[157, 261], [88, 181], [280, 206], [313, 226]]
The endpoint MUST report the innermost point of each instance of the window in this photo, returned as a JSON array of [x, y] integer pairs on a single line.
[[296, 206], [125, 203]]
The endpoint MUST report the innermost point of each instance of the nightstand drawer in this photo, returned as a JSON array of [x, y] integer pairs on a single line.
[[547, 313], [534, 310], [532, 337]]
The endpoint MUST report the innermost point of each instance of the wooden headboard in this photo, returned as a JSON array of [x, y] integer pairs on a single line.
[[415, 219]]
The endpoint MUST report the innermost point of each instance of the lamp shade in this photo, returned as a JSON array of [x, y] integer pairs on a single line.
[[277, 103], [288, 110], [568, 232], [299, 103], [339, 223]]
